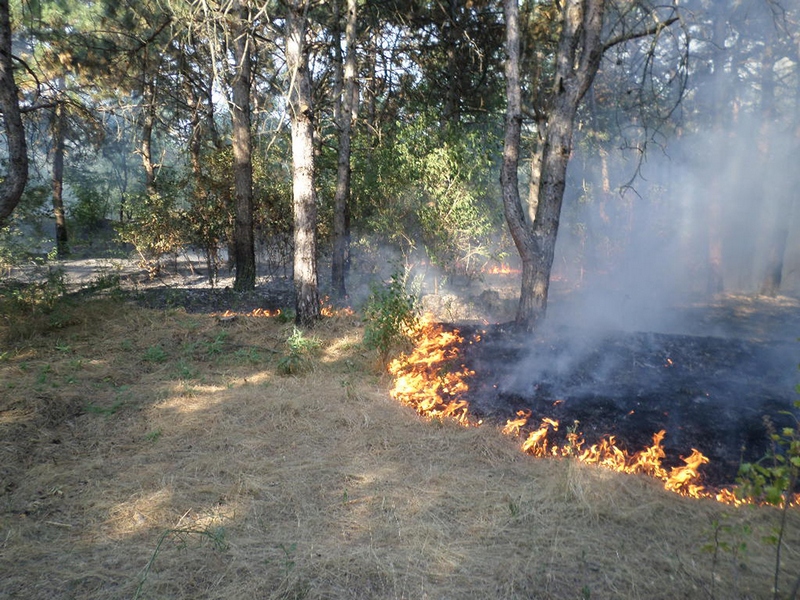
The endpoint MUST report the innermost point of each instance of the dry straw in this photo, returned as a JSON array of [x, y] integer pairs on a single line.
[[198, 471]]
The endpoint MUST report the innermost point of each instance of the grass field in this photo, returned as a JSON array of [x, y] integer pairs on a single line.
[[161, 454]]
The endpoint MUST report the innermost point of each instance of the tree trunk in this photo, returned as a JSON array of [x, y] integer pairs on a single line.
[[57, 154], [509, 178], [14, 182], [304, 195], [146, 143], [346, 116], [778, 229], [580, 49], [244, 244]]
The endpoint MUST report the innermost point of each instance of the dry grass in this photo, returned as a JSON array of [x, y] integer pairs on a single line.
[[126, 427]]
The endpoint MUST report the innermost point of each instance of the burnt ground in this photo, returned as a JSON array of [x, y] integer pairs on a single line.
[[721, 389]]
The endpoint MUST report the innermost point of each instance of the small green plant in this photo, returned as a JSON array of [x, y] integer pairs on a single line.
[[287, 315], [250, 355], [773, 480], [726, 539], [215, 534], [391, 316], [217, 345], [106, 411], [185, 370], [153, 436], [299, 350], [155, 354], [43, 293]]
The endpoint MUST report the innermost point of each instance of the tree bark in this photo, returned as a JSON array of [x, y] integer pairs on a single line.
[[304, 197], [244, 244], [509, 178], [778, 228], [146, 143], [57, 154], [14, 182], [579, 51], [348, 102]]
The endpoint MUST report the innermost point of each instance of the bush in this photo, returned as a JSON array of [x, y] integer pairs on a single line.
[[391, 315]]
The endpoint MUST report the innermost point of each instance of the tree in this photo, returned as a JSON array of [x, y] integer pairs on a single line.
[[306, 287], [58, 125], [14, 183], [243, 241], [578, 53], [346, 100]]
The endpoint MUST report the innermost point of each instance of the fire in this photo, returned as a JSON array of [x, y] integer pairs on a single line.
[[431, 380], [258, 312], [606, 453], [426, 380], [327, 309], [501, 269]]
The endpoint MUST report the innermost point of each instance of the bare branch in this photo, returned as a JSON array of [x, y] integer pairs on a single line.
[[635, 35]]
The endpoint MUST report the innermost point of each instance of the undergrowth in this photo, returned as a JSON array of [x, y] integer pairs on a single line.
[[391, 315]]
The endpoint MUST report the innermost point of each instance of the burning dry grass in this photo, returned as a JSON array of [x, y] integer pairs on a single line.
[[132, 427]]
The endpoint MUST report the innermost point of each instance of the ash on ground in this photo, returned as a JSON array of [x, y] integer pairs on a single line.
[[722, 390]]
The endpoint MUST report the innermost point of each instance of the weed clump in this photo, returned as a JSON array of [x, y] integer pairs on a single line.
[[391, 316], [298, 354]]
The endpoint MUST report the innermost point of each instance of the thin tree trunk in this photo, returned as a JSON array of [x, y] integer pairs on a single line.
[[304, 195], [146, 143], [14, 182], [509, 178], [244, 244], [346, 116], [778, 229], [450, 113], [57, 154]]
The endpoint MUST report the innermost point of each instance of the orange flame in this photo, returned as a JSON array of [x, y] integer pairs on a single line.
[[426, 380], [327, 309], [258, 312], [501, 269]]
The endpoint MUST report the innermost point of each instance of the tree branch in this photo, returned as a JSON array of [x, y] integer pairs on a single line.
[[635, 35]]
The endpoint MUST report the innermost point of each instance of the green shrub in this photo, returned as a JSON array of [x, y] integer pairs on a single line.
[[299, 351], [391, 316], [773, 480]]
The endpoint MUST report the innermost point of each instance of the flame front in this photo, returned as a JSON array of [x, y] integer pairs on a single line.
[[428, 380]]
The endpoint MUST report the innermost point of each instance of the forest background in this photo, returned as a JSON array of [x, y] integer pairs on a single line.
[[292, 131]]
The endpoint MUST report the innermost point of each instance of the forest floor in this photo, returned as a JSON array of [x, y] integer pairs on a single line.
[[151, 449]]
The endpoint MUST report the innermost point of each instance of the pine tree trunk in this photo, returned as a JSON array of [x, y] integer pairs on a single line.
[[243, 242], [146, 143], [57, 154], [346, 116], [14, 182], [304, 195]]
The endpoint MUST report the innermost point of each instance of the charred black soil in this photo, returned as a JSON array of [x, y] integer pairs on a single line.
[[720, 395]]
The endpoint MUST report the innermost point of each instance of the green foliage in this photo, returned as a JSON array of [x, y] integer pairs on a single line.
[[433, 185], [157, 228], [217, 345], [105, 411], [155, 354], [88, 212], [47, 286], [298, 355], [391, 315], [773, 478], [726, 539]]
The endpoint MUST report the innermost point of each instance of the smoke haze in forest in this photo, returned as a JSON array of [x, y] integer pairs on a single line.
[[720, 187]]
